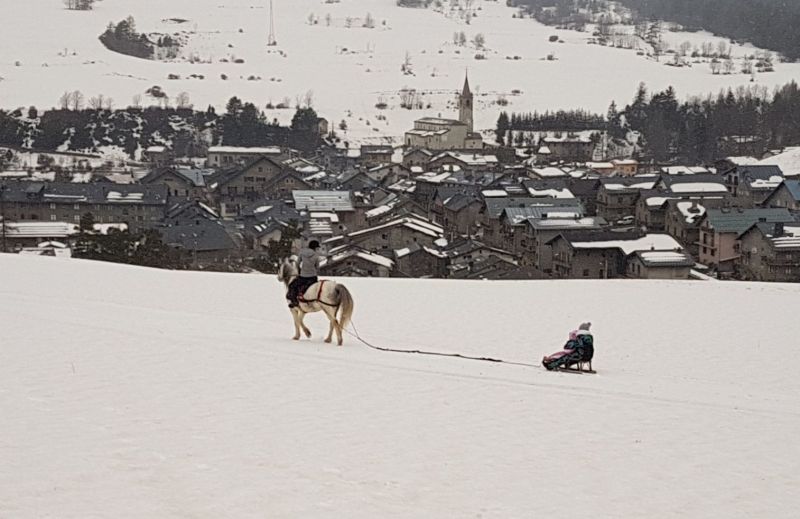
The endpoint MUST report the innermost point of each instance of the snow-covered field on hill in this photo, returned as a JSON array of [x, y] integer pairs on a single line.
[[129, 393], [46, 50]]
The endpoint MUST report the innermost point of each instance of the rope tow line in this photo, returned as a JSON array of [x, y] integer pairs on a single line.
[[493, 360]]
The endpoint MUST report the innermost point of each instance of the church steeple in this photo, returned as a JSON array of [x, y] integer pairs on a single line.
[[465, 105]]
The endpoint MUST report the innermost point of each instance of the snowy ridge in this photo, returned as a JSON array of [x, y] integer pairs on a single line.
[[351, 70], [128, 392]]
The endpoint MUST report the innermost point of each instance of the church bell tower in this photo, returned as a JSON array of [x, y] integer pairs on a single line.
[[465, 106]]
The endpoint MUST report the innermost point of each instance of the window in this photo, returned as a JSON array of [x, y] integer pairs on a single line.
[[249, 179], [52, 206], [260, 169], [384, 236], [52, 218], [232, 190], [77, 207], [76, 218], [586, 273]]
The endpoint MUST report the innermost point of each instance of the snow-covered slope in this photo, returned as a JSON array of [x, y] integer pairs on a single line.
[[46, 50], [127, 392]]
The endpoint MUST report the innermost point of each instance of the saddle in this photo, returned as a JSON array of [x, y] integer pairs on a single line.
[[301, 292]]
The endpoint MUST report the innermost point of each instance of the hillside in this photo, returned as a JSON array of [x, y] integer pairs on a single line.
[[326, 48], [127, 392]]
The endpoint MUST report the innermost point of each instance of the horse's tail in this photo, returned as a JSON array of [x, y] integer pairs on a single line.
[[345, 305]]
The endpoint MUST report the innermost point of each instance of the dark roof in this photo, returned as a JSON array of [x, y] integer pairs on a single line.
[[598, 235], [670, 180], [72, 193], [584, 187], [760, 171], [739, 220], [224, 176], [204, 236], [496, 206]]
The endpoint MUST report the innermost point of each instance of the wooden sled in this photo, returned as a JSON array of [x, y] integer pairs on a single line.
[[579, 367]]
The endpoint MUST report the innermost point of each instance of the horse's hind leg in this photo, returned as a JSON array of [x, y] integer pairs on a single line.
[[331, 328]]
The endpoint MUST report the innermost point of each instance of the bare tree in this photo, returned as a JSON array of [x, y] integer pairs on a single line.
[[182, 100], [684, 48], [77, 100], [728, 66], [96, 102], [369, 21], [136, 102], [109, 104], [308, 99], [65, 100], [479, 40], [328, 19], [462, 38], [747, 65], [723, 50], [715, 66]]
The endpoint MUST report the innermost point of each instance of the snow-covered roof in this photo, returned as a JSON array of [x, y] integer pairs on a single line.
[[551, 193], [549, 172], [241, 150], [691, 211], [648, 242], [621, 187], [494, 193], [322, 201], [699, 187]]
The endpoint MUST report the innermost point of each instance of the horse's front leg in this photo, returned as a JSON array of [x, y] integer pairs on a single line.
[[296, 320], [303, 325]]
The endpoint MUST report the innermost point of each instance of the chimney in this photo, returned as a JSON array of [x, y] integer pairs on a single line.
[[778, 232]]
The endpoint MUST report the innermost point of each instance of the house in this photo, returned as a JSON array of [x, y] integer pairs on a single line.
[[158, 156], [659, 264], [602, 255], [459, 213], [351, 260], [228, 156], [417, 158], [56, 237], [770, 252], [376, 155], [586, 191], [652, 206], [326, 203], [740, 174], [206, 242], [720, 230], [392, 235], [180, 182], [419, 261], [392, 207], [470, 162], [386, 174], [262, 177], [499, 230], [617, 197], [568, 147], [625, 167], [682, 220], [786, 194], [534, 244], [137, 206]]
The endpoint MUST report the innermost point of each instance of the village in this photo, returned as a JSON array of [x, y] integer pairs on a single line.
[[445, 204]]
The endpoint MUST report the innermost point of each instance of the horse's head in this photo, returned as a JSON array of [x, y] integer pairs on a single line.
[[288, 269]]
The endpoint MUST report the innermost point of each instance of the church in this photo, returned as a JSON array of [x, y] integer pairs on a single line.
[[436, 133]]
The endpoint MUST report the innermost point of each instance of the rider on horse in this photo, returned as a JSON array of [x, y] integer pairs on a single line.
[[309, 266]]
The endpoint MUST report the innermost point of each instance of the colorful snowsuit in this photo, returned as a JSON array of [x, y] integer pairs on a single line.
[[579, 348]]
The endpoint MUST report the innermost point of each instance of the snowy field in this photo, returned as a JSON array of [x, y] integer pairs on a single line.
[[46, 50], [129, 393]]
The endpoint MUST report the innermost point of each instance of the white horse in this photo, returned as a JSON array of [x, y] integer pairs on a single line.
[[327, 296]]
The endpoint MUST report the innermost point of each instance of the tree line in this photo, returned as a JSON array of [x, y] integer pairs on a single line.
[[187, 131], [747, 120], [769, 24]]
